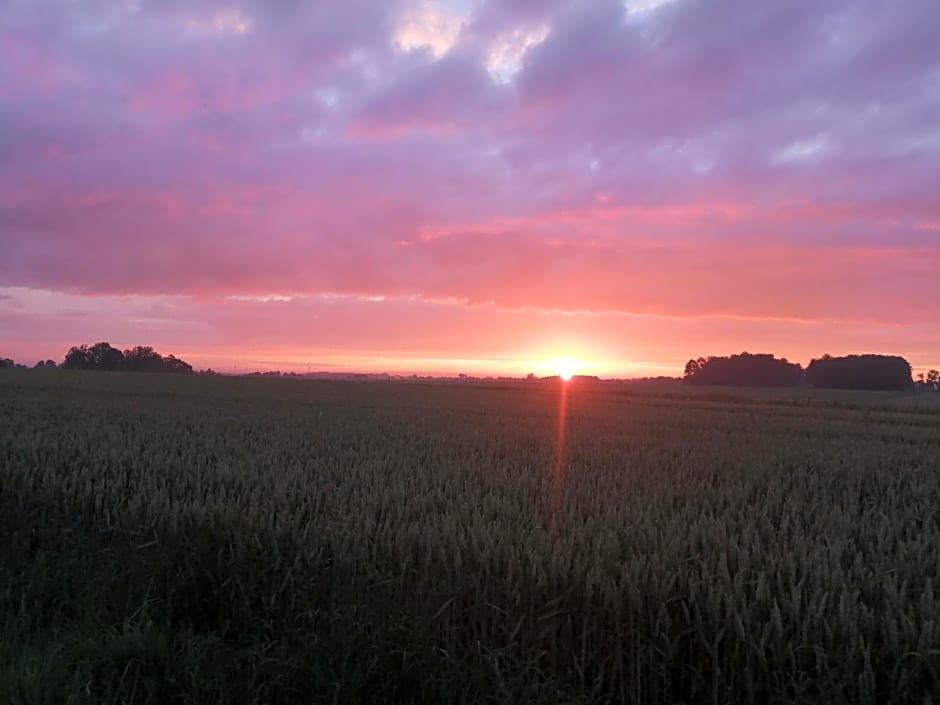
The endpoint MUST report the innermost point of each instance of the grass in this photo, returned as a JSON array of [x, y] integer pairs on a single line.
[[205, 540]]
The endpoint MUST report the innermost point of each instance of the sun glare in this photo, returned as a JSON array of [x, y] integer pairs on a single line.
[[566, 368]]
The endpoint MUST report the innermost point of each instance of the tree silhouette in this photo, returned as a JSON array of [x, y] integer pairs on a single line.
[[102, 356], [175, 365], [867, 372], [142, 359], [76, 358], [744, 370], [933, 380], [693, 367]]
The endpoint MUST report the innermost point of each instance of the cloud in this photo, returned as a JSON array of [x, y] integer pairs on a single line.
[[341, 332], [453, 93], [428, 27], [231, 21], [508, 50]]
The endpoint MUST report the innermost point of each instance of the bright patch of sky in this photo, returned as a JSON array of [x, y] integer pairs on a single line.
[[636, 9], [229, 21], [431, 26], [262, 298], [691, 155], [802, 151], [506, 54], [328, 97]]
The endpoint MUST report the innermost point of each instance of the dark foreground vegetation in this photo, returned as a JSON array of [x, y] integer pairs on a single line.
[[198, 539]]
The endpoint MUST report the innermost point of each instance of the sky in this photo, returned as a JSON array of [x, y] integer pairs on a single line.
[[478, 186]]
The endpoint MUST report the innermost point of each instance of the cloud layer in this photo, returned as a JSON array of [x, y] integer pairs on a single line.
[[575, 170]]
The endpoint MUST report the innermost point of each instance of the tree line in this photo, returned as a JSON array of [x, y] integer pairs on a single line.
[[930, 381], [866, 372], [104, 357], [6, 362]]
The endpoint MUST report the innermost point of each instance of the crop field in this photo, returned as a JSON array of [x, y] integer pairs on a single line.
[[175, 539]]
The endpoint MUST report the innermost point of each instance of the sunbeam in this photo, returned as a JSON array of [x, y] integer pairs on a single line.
[[559, 468]]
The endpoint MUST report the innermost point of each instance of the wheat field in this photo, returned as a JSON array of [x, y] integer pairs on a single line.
[[172, 539]]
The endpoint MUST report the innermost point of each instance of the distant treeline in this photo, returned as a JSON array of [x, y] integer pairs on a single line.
[[860, 372], [102, 356], [869, 372], [744, 370], [7, 363], [866, 372]]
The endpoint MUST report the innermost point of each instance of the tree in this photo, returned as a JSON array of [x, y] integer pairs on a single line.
[[7, 363], [868, 372], [933, 380], [76, 358], [100, 356], [693, 367], [175, 365], [744, 370], [104, 357], [143, 359]]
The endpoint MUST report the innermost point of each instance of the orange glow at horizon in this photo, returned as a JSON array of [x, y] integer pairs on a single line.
[[445, 340], [564, 367]]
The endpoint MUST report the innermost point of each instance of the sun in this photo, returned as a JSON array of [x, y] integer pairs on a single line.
[[565, 367]]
